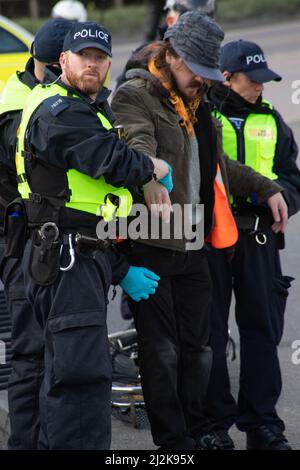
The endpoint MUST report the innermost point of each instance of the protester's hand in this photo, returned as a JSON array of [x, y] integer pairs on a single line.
[[139, 283], [158, 200], [279, 210]]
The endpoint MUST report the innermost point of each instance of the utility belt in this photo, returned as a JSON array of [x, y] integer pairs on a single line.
[[48, 254], [23, 217], [256, 220], [42, 209], [53, 251]]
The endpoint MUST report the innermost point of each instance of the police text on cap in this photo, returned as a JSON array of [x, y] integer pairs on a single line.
[[257, 59], [87, 33]]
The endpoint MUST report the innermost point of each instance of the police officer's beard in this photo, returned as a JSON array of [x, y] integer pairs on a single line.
[[84, 82]]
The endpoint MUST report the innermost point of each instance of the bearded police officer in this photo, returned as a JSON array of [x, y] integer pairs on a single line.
[[73, 171], [27, 345], [255, 134]]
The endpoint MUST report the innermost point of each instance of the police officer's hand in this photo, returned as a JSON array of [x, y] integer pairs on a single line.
[[139, 283], [167, 181], [279, 210], [163, 172], [158, 200]]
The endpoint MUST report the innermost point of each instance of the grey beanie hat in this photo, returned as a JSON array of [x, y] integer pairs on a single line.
[[197, 38]]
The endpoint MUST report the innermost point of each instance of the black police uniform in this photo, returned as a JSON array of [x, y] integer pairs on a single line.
[[75, 396], [27, 344], [260, 292]]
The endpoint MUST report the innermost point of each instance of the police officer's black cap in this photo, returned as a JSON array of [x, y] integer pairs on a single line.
[[88, 34], [247, 57], [197, 39], [49, 39]]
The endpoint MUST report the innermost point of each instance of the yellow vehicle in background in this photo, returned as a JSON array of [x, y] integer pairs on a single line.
[[15, 44]]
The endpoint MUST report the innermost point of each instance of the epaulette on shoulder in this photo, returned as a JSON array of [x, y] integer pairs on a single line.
[[56, 104]]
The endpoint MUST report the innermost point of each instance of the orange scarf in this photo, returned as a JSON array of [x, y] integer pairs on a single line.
[[187, 113]]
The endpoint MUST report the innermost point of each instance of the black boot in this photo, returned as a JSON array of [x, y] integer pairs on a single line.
[[263, 438], [224, 437], [212, 440]]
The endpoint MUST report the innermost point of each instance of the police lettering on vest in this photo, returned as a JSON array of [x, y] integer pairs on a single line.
[[88, 33]]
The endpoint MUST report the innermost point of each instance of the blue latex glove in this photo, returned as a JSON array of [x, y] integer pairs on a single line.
[[167, 180], [139, 283]]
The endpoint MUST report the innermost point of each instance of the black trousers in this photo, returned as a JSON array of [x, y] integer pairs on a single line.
[[173, 332], [75, 394], [260, 292], [27, 358]]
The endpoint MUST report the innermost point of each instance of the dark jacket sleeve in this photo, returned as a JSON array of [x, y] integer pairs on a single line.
[[243, 181], [119, 264], [75, 138], [9, 124], [8, 175], [285, 165]]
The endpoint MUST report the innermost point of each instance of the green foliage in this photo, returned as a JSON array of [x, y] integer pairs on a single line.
[[120, 19], [243, 9], [123, 20], [29, 24], [130, 20]]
